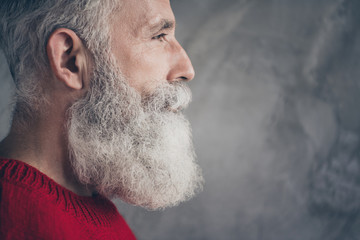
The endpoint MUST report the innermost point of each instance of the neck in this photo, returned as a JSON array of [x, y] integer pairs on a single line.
[[43, 145]]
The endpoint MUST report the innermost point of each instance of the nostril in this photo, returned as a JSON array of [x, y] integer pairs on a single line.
[[182, 78]]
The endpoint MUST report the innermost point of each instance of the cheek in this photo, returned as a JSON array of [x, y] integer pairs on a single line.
[[147, 69], [153, 63], [144, 65]]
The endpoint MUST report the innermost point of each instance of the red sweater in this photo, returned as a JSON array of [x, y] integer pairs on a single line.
[[33, 206]]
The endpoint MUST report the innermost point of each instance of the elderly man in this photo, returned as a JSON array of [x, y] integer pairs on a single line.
[[99, 93]]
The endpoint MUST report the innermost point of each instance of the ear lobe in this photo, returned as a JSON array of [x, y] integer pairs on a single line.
[[67, 58]]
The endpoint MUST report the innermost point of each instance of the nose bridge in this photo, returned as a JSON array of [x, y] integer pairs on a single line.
[[181, 66]]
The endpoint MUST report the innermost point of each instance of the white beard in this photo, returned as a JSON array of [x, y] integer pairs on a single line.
[[137, 148]]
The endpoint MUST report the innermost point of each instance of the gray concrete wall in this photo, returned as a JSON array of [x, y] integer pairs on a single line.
[[275, 121]]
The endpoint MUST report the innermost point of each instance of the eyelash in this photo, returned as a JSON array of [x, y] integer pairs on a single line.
[[160, 37]]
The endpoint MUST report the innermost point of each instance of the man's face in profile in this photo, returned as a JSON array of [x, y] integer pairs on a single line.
[[144, 45], [127, 136]]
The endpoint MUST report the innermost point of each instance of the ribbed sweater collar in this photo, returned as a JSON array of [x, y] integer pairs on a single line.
[[96, 209]]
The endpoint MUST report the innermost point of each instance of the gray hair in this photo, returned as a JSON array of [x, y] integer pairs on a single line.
[[25, 26]]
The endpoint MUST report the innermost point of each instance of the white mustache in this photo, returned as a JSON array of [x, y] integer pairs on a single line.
[[170, 96]]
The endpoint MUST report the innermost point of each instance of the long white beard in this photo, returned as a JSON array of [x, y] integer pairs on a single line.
[[134, 147]]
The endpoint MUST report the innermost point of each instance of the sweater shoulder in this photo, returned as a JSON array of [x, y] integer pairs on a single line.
[[24, 184], [25, 211], [33, 204]]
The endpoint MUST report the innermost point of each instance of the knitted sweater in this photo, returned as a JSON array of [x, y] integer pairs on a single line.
[[33, 206]]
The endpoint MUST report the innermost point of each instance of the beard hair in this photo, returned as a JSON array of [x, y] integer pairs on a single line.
[[133, 147]]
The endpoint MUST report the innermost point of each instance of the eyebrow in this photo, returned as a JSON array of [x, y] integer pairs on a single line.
[[162, 25]]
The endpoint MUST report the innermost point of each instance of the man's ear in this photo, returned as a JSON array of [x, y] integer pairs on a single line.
[[67, 58]]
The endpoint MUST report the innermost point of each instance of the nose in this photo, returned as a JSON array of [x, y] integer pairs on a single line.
[[181, 68]]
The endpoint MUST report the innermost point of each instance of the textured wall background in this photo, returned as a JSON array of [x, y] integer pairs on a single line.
[[275, 121]]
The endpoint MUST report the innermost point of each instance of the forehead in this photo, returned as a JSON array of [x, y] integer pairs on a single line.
[[138, 14]]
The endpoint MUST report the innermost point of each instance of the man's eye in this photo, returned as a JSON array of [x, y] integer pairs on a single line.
[[159, 37]]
